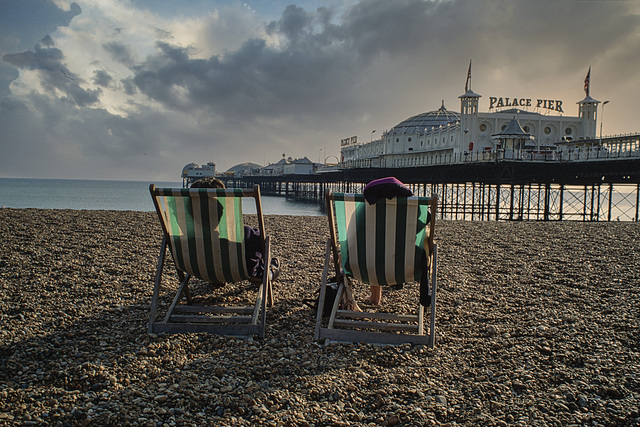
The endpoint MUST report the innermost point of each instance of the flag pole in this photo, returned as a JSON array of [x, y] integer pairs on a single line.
[[587, 81], [467, 85]]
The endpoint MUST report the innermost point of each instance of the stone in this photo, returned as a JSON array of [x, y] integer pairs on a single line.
[[518, 338]]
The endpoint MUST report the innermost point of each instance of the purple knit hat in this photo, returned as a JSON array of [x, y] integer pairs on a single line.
[[389, 188]]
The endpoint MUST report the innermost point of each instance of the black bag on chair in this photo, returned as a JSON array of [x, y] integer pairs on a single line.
[[329, 298]]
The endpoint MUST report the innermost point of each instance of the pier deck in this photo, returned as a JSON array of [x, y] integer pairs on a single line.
[[597, 184]]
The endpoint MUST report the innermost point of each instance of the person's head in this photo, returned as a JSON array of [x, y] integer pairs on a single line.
[[211, 182], [388, 188]]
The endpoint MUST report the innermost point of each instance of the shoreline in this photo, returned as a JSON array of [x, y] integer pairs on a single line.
[[537, 323]]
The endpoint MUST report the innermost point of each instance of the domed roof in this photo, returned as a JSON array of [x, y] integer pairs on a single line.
[[188, 167], [425, 122], [244, 166]]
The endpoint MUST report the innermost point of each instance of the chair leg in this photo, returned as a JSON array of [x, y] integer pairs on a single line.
[[269, 290], [264, 296], [323, 290], [336, 302], [434, 287], [176, 299], [156, 285], [259, 307], [185, 290], [263, 309], [259, 316], [420, 319]]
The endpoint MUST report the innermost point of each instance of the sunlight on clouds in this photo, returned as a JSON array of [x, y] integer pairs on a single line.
[[27, 83], [83, 43], [116, 102], [193, 33], [109, 37], [217, 31], [104, 22]]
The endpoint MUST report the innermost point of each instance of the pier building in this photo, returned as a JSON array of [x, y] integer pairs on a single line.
[[541, 126], [192, 172]]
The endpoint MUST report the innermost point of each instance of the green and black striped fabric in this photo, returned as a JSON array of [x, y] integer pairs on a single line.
[[206, 232], [381, 244]]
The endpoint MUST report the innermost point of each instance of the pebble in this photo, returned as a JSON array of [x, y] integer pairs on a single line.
[[536, 325]]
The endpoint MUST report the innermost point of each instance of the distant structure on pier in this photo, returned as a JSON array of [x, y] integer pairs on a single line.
[[192, 172], [286, 166]]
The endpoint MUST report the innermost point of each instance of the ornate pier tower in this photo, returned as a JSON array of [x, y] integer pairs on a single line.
[[588, 110]]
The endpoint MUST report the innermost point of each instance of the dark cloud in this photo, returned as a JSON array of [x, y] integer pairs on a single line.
[[120, 53], [44, 57], [129, 86], [81, 97], [256, 80], [325, 60], [294, 23], [173, 53], [54, 75], [102, 78], [22, 24]]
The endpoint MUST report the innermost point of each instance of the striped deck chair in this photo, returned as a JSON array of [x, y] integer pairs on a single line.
[[388, 243], [204, 230]]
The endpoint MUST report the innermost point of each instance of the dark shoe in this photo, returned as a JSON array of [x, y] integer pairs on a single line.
[[274, 268]]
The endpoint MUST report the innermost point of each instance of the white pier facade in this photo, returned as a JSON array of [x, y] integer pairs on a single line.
[[518, 128]]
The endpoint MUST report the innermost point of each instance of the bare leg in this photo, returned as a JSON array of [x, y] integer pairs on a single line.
[[376, 295], [349, 302]]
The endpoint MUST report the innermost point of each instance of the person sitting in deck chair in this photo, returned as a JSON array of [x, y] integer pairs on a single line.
[[383, 188], [252, 242]]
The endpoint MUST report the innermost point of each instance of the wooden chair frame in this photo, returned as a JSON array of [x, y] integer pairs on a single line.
[[188, 317], [382, 328]]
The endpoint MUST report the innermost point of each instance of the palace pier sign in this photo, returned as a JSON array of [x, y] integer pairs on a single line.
[[548, 104]]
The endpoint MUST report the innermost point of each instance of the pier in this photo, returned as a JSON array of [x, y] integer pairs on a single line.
[[601, 184]]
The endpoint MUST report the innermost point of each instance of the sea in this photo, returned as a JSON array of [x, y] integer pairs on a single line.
[[117, 195]]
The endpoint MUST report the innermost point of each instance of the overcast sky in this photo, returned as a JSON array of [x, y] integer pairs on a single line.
[[136, 89]]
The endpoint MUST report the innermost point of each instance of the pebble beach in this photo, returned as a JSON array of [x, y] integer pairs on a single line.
[[537, 324]]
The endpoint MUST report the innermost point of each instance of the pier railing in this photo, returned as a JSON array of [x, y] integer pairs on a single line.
[[582, 154]]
